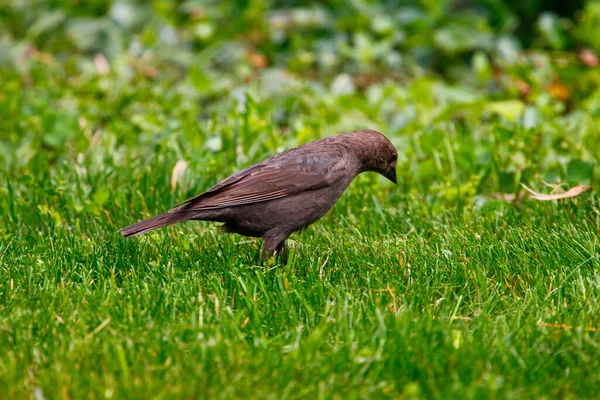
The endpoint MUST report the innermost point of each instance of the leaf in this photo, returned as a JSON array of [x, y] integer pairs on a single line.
[[509, 109], [550, 30], [48, 22], [124, 13], [59, 128], [579, 171], [178, 173], [462, 35], [343, 85], [101, 196], [573, 192]]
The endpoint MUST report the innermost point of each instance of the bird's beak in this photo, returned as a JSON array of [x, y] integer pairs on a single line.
[[391, 175]]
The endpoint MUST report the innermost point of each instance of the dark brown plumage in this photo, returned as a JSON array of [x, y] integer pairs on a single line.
[[286, 192]]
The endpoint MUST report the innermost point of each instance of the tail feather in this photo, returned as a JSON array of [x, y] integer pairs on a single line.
[[153, 223]]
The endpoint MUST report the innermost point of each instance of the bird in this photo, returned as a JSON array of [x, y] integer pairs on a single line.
[[286, 192]]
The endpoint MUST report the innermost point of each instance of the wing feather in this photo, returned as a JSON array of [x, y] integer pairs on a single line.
[[277, 177], [260, 186]]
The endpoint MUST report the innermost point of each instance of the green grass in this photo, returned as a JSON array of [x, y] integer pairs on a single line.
[[383, 297], [428, 289]]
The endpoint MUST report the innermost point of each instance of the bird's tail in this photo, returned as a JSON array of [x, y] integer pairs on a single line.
[[166, 219]]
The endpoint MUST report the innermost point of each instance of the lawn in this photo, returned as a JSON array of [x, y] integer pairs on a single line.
[[452, 284]]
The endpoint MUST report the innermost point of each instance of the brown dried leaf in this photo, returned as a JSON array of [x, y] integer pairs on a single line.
[[574, 191], [257, 59], [245, 322], [150, 72], [559, 91], [589, 58], [523, 88], [178, 173], [197, 13], [101, 64]]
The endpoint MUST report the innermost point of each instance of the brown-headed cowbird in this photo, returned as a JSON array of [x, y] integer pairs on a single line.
[[286, 192]]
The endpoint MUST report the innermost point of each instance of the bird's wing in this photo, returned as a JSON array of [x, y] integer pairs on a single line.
[[268, 181]]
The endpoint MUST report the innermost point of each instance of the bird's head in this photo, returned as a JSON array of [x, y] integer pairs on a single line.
[[378, 154]]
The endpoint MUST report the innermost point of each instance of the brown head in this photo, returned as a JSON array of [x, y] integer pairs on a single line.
[[376, 152]]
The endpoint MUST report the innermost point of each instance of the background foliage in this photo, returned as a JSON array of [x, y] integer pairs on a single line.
[[433, 288]]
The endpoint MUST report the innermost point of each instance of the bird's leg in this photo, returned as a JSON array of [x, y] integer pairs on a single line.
[[283, 252], [275, 244]]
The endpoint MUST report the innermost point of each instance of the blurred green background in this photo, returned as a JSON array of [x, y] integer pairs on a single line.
[[436, 288], [520, 77]]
